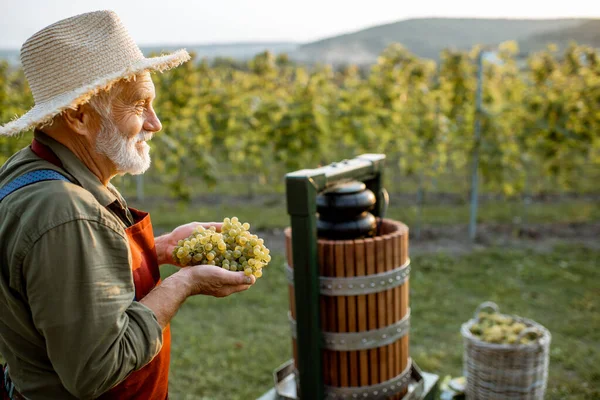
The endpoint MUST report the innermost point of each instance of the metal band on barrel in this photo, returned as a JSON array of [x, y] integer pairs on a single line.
[[381, 390], [351, 341], [357, 285]]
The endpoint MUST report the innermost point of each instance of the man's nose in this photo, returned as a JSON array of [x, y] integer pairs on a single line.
[[152, 123]]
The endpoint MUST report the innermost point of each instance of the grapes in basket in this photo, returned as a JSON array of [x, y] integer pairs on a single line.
[[501, 329]]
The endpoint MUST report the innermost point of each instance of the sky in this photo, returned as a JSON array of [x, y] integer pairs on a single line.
[[164, 22]]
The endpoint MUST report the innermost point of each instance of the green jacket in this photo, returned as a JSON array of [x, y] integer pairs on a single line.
[[69, 327]]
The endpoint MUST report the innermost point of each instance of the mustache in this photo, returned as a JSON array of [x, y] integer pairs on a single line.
[[143, 136]]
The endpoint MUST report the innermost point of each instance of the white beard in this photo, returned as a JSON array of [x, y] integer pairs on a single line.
[[129, 155]]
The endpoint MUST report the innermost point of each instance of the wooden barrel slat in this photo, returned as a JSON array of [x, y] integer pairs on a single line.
[[397, 311], [322, 305], [389, 265], [361, 301], [372, 307], [342, 312], [323, 309], [404, 340], [381, 308], [332, 325], [404, 293], [352, 311], [402, 305], [361, 313]]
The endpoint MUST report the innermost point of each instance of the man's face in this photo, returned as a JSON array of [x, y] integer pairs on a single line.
[[128, 125]]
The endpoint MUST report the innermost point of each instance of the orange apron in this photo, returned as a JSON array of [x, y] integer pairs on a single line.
[[152, 381]]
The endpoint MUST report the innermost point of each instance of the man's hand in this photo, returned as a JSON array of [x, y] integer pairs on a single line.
[[165, 244], [214, 281], [165, 299]]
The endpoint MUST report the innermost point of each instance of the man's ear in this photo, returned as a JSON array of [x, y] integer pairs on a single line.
[[82, 120]]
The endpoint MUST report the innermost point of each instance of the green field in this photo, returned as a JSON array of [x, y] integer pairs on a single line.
[[227, 348]]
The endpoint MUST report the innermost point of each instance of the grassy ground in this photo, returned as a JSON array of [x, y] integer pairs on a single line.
[[227, 348]]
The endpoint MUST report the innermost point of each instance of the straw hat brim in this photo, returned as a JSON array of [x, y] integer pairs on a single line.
[[44, 112]]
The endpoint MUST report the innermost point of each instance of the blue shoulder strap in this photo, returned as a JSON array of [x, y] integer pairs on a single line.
[[30, 178]]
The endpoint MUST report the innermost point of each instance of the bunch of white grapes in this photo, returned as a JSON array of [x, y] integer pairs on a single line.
[[501, 329], [233, 249]]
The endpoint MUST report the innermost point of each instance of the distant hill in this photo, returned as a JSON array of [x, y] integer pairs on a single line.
[[11, 55], [427, 37], [240, 51], [588, 32]]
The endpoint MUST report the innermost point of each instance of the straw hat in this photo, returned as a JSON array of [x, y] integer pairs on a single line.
[[71, 60]]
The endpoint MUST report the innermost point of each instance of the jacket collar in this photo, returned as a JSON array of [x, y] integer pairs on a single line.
[[78, 170]]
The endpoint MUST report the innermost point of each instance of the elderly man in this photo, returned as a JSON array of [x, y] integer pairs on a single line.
[[82, 312]]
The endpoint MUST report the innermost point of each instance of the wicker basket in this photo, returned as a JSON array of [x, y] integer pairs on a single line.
[[505, 371]]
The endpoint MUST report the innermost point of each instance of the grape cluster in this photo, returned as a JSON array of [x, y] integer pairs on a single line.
[[501, 329], [233, 249]]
